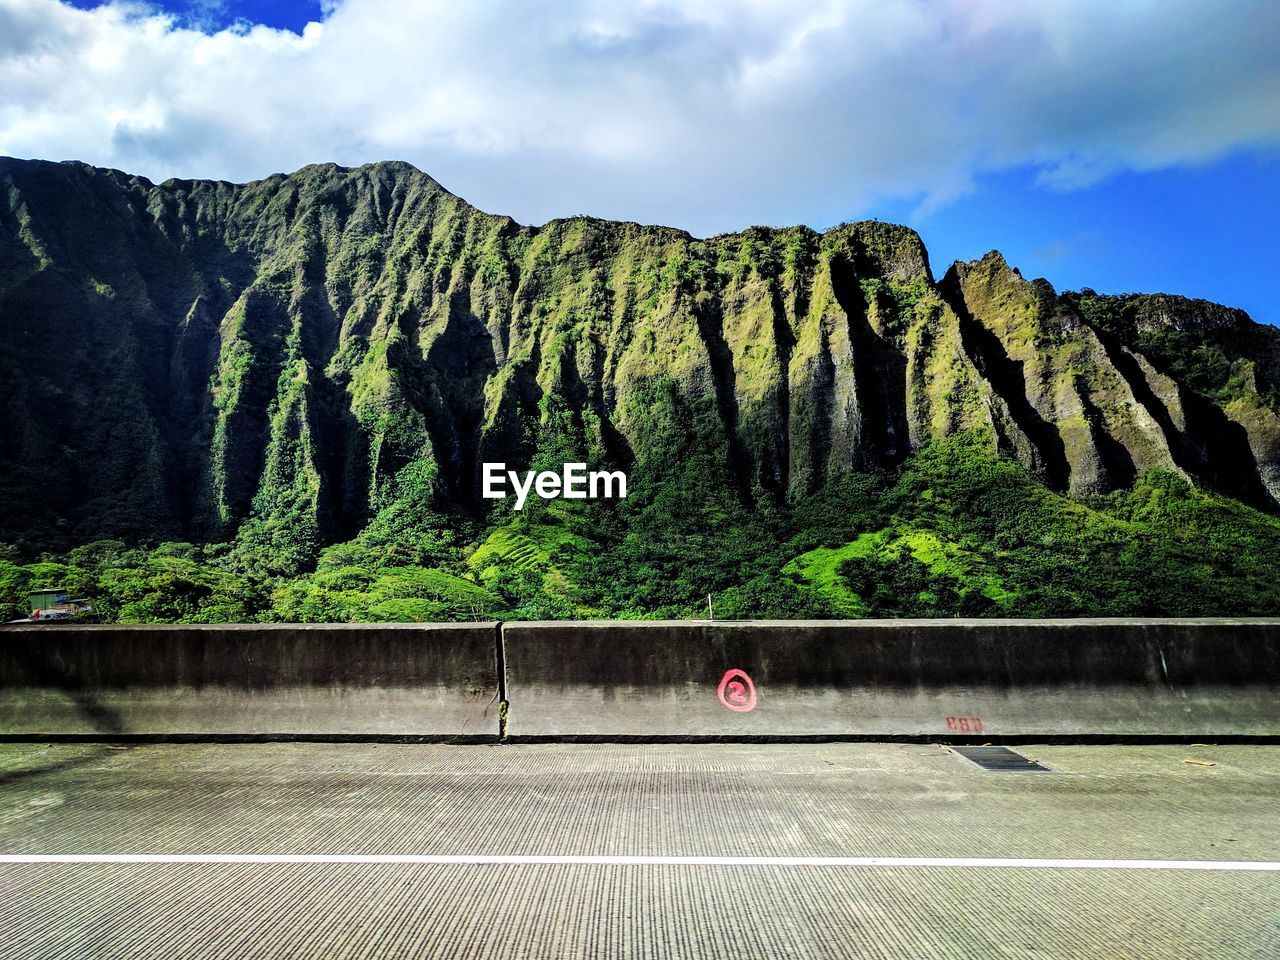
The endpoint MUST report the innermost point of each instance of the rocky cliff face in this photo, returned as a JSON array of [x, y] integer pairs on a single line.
[[307, 351]]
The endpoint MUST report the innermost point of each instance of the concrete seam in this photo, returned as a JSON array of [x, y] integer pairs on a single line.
[[504, 704]]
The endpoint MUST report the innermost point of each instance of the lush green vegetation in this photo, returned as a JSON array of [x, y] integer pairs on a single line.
[[302, 375], [1223, 360], [957, 531]]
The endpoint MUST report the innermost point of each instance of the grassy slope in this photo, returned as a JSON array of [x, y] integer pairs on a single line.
[[957, 531]]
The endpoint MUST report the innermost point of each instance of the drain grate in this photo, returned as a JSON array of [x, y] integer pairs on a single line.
[[999, 759]]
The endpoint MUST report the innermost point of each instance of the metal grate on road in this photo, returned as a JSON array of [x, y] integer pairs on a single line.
[[1000, 760]]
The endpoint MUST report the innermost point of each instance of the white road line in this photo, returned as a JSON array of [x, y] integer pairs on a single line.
[[1248, 866]]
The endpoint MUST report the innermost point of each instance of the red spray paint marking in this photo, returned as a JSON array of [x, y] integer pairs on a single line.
[[736, 691], [965, 724]]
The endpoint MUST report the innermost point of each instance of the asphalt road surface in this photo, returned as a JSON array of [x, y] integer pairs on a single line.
[[597, 850]]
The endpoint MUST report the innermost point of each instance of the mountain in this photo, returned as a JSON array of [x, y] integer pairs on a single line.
[[328, 357]]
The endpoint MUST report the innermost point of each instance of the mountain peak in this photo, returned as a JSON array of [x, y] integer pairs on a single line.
[[277, 355]]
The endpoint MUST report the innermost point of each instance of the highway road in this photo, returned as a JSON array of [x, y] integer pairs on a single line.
[[313, 850]]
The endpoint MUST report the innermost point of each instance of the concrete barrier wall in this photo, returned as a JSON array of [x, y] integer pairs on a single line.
[[977, 678], [983, 679], [319, 680]]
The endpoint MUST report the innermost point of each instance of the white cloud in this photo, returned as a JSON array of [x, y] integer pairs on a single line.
[[708, 114]]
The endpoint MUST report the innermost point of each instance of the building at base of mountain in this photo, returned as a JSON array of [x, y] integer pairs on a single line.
[[573, 482]]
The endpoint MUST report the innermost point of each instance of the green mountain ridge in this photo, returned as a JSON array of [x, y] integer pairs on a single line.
[[302, 376]]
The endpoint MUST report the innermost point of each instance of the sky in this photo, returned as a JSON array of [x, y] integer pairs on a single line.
[[1129, 146]]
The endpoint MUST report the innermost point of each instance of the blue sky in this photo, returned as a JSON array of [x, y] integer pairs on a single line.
[[1208, 230], [1126, 147], [216, 14]]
